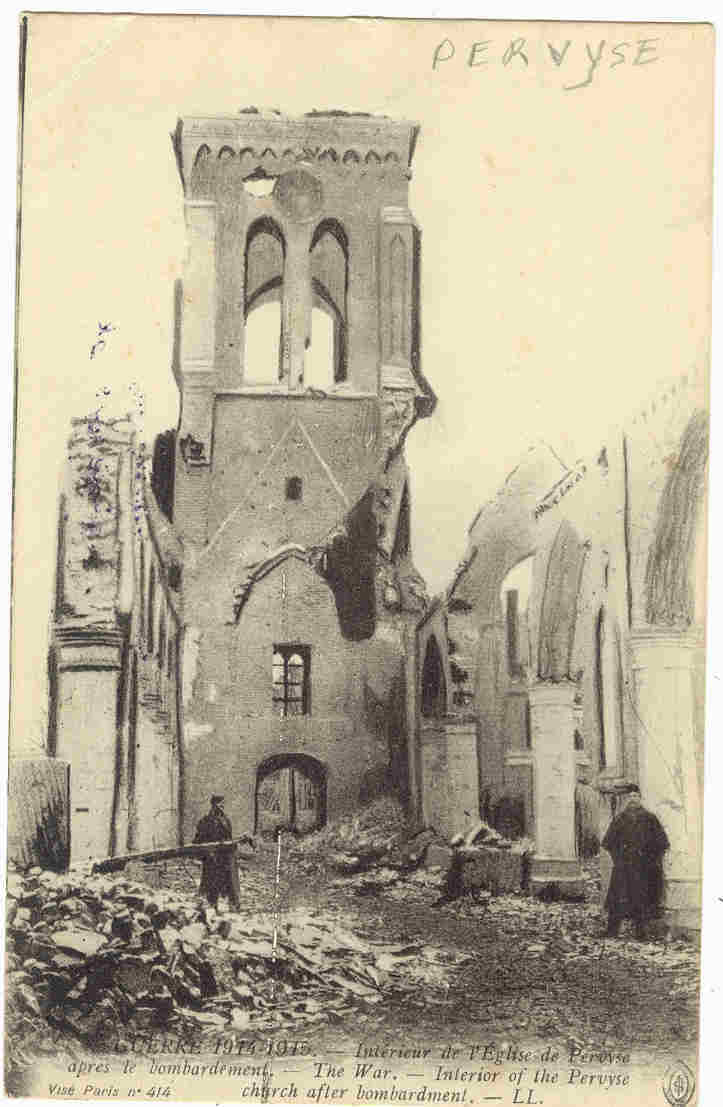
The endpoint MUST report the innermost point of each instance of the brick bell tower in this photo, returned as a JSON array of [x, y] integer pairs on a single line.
[[297, 356]]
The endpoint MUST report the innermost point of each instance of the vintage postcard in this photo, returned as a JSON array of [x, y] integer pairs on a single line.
[[360, 535]]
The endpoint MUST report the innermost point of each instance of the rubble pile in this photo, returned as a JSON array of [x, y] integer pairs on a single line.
[[361, 838], [375, 851], [100, 957]]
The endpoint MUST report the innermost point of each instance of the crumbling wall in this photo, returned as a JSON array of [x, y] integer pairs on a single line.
[[107, 625]]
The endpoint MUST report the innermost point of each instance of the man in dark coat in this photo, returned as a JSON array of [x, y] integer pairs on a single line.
[[636, 842], [217, 877]]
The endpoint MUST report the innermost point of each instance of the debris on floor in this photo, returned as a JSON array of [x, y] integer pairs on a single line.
[[375, 850], [96, 957]]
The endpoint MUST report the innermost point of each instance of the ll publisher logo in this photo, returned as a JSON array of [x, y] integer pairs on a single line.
[[678, 1084]]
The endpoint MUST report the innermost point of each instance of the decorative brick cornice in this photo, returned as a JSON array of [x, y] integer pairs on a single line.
[[347, 141]]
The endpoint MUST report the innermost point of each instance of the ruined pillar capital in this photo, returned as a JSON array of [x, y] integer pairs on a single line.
[[664, 647], [88, 647], [548, 693]]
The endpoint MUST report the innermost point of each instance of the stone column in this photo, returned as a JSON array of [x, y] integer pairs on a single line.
[[554, 758], [462, 773], [450, 797], [662, 663], [296, 307], [611, 737], [434, 774]]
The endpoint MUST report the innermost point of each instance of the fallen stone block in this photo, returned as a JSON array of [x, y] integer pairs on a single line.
[[497, 871], [82, 942], [194, 934], [170, 937], [439, 856]]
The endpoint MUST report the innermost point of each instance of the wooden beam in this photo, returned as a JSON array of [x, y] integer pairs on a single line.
[[197, 849]]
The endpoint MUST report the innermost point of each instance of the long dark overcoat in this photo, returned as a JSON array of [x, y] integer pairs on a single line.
[[216, 878], [636, 842]]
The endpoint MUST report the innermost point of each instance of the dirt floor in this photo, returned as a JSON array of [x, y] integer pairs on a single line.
[[350, 967], [536, 971]]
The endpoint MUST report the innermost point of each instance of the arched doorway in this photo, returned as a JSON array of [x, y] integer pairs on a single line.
[[290, 794]]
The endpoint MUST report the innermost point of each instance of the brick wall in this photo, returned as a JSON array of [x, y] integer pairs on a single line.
[[230, 724]]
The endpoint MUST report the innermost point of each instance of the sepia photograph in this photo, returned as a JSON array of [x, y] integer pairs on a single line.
[[360, 554]]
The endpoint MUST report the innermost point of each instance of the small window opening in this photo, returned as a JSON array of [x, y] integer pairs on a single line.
[[294, 488], [291, 680]]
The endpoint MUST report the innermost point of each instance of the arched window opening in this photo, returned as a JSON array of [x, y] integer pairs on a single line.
[[600, 682], [515, 597], [201, 170], [434, 686], [294, 488], [330, 283], [263, 294]]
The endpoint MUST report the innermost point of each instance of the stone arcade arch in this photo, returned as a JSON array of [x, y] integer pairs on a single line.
[[290, 794]]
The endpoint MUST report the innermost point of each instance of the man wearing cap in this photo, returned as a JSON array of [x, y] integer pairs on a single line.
[[636, 842], [217, 877]]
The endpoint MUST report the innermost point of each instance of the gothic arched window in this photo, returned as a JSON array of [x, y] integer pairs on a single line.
[[434, 685], [325, 361], [263, 295]]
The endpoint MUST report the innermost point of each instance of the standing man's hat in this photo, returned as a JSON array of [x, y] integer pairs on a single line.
[[628, 789], [216, 799]]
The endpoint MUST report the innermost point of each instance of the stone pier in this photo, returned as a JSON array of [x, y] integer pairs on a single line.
[[663, 670], [449, 775], [555, 770]]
